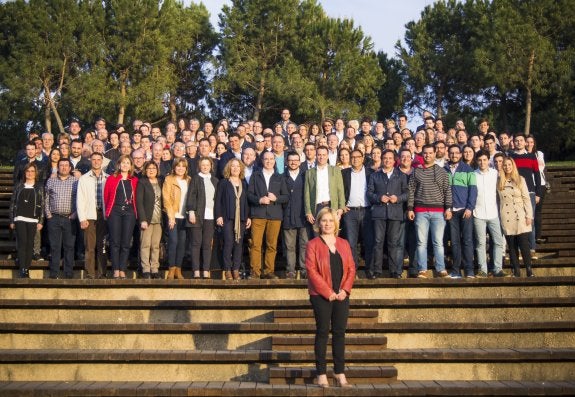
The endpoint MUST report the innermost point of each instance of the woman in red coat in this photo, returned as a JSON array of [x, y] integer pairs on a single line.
[[331, 272]]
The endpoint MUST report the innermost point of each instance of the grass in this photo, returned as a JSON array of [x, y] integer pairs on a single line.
[[560, 164]]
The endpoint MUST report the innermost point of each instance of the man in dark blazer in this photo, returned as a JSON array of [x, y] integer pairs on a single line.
[[387, 191], [357, 217], [267, 192], [296, 230]]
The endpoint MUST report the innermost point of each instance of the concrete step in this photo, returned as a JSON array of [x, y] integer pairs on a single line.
[[306, 316], [306, 342], [254, 365], [360, 375], [270, 290], [236, 388], [194, 336]]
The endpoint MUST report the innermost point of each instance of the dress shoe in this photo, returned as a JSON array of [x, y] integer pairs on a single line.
[[236, 275], [24, 273], [270, 276], [146, 276], [340, 381], [156, 276], [228, 275]]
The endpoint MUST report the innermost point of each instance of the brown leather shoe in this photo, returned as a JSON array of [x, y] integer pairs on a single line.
[[171, 272], [236, 274], [228, 275], [179, 274]]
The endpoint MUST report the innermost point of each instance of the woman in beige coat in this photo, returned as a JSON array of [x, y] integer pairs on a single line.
[[174, 193], [516, 214]]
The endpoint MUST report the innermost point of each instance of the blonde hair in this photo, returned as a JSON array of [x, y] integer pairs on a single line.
[[323, 212], [228, 172], [515, 177]]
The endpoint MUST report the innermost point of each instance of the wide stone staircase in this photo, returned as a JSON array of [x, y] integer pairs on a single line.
[[510, 336]]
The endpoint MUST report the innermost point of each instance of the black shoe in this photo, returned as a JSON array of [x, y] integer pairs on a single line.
[[302, 275], [54, 276], [90, 277], [270, 276], [24, 273], [156, 276], [290, 275], [37, 257], [68, 276], [370, 276], [146, 276]]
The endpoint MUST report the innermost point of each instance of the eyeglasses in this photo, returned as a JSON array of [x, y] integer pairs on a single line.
[[356, 157]]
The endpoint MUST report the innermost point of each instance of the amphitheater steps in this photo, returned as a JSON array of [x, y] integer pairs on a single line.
[[204, 388]]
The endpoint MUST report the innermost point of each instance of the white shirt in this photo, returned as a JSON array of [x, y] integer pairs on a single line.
[[248, 173], [357, 189], [332, 157], [267, 177], [293, 174], [486, 205], [184, 192], [322, 188]]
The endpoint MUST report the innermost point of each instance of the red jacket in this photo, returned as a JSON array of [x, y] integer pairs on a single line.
[[110, 192], [319, 271]]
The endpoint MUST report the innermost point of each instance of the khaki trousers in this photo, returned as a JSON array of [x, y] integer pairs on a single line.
[[150, 248], [271, 229]]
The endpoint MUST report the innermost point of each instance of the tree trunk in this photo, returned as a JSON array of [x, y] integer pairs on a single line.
[[47, 100], [122, 109], [260, 99], [528, 96], [172, 107], [439, 100], [57, 115]]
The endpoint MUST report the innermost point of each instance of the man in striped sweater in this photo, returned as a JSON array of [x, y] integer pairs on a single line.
[[464, 195], [429, 203], [528, 168]]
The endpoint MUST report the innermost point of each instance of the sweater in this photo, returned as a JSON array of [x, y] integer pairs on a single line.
[[429, 190], [463, 186]]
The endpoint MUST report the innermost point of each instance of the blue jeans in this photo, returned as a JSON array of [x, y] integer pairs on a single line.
[[177, 243], [424, 223], [461, 232], [493, 226], [61, 234]]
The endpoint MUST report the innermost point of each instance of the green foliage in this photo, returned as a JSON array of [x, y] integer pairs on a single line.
[[278, 53]]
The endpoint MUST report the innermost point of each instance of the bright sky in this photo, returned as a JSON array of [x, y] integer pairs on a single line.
[[383, 20]]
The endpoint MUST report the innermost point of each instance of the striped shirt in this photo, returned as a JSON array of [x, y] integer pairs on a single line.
[[61, 196]]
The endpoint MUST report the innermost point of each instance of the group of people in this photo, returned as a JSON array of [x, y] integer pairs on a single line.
[[191, 188]]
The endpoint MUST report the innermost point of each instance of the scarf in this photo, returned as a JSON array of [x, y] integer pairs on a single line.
[[237, 220]]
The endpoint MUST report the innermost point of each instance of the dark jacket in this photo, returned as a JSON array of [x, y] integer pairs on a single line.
[[346, 175], [294, 211], [196, 199], [38, 196], [145, 198], [19, 169], [225, 205], [379, 184], [225, 157], [257, 189]]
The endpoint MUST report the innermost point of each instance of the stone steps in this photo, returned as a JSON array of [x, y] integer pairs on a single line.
[[234, 365], [205, 388]]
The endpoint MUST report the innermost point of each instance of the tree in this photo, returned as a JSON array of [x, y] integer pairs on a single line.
[[515, 55], [40, 44], [391, 93], [439, 68]]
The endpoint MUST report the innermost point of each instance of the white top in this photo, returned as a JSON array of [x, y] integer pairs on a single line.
[[541, 162], [322, 188], [86, 195], [357, 189], [486, 205], [210, 195], [183, 193], [332, 157], [267, 177]]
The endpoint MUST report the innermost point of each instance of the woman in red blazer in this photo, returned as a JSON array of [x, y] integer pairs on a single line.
[[331, 272], [121, 213]]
